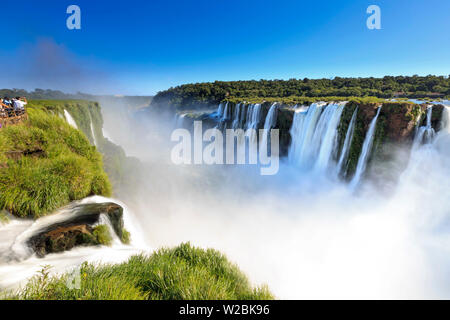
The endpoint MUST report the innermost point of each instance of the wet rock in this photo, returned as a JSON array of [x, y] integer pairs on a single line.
[[78, 229]]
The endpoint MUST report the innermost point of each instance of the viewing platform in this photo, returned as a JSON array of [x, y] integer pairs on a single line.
[[11, 117]]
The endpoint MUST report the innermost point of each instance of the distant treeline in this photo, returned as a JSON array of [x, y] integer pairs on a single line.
[[386, 87], [47, 94]]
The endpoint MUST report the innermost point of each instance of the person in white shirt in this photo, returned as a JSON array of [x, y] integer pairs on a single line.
[[19, 104]]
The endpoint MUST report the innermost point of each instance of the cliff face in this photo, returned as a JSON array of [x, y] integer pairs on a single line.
[[395, 125], [45, 163]]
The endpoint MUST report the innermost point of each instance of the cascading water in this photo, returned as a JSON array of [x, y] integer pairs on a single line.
[[94, 137], [225, 115], [426, 133], [313, 135], [326, 134], [69, 119], [237, 117], [269, 123], [365, 152], [446, 119], [220, 110], [253, 116], [271, 119], [18, 262], [347, 143]]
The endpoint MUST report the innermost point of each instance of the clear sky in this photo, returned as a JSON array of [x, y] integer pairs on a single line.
[[141, 47]]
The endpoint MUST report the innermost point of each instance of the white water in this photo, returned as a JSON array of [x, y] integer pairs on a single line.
[[237, 117], [269, 123], [253, 116], [18, 263], [106, 135], [347, 143], [94, 137], [326, 134], [69, 119], [446, 120], [220, 110], [365, 152], [313, 133], [426, 133], [225, 113]]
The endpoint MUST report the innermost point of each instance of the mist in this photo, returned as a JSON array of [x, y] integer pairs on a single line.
[[303, 234]]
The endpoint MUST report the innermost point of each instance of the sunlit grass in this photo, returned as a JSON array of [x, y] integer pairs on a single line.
[[45, 164], [184, 272]]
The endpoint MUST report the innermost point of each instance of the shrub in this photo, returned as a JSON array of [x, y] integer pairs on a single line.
[[125, 237], [102, 234]]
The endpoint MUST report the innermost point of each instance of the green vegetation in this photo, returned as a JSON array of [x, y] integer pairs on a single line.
[[116, 164], [184, 272], [101, 233], [200, 94], [45, 163], [3, 217], [126, 236]]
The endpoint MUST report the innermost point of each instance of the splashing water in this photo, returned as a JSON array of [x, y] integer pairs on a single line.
[[18, 262], [365, 152], [313, 135]]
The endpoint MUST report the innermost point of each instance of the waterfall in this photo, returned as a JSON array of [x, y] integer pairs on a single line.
[[225, 113], [327, 133], [107, 136], [220, 110], [269, 123], [347, 143], [18, 262], [313, 135], [69, 119], [446, 119], [271, 119], [179, 120], [365, 152], [94, 137], [237, 117], [253, 120], [425, 134], [253, 116]]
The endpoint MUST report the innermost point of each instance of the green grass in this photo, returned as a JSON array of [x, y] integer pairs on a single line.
[[45, 164], [117, 165], [102, 234], [184, 272]]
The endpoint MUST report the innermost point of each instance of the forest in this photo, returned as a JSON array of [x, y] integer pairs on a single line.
[[387, 87]]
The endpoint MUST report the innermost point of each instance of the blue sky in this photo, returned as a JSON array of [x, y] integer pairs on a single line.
[[141, 47]]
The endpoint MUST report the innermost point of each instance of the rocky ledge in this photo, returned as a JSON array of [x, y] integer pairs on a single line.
[[85, 227]]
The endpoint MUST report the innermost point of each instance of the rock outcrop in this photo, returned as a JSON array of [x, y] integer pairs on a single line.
[[79, 229]]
